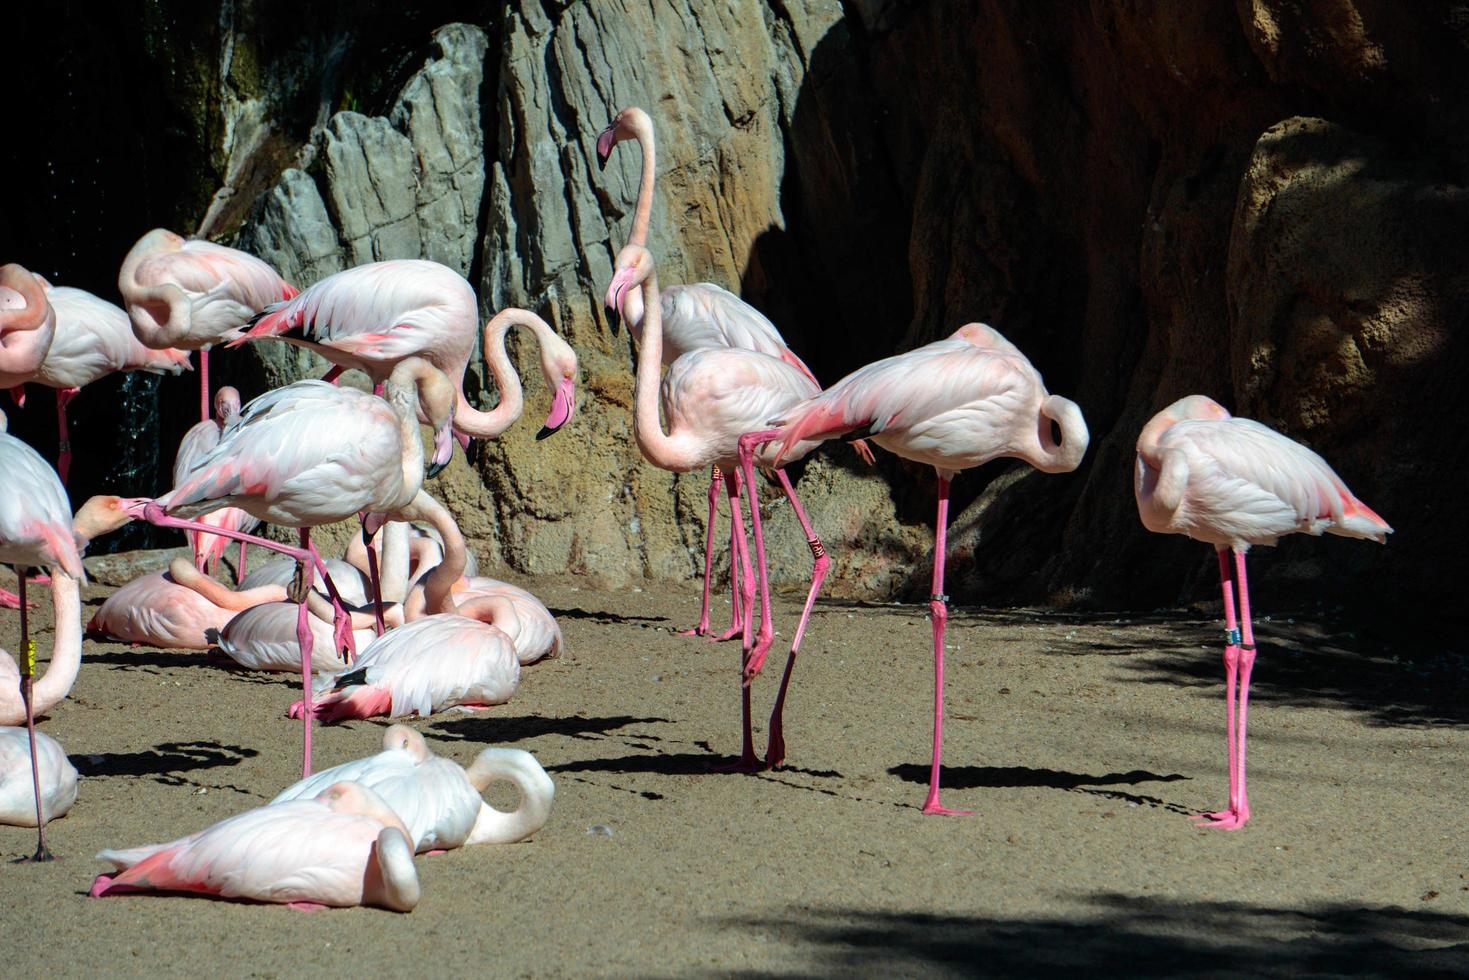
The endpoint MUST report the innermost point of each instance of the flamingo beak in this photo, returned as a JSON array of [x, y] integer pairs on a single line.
[[134, 507], [463, 440], [371, 524], [443, 450], [605, 143], [619, 283], [563, 404]]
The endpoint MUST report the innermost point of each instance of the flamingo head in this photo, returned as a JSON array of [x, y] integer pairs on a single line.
[[634, 265], [631, 123], [104, 513], [436, 397], [559, 366], [226, 404], [410, 740], [1190, 408], [23, 303], [985, 336]]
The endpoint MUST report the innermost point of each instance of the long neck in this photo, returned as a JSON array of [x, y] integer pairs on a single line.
[[220, 594], [1065, 456], [661, 450], [438, 583], [488, 425], [642, 217], [394, 573], [536, 795], [66, 654], [404, 399], [25, 334]]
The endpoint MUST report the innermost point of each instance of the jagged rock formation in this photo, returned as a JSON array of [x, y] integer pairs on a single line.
[[1260, 201]]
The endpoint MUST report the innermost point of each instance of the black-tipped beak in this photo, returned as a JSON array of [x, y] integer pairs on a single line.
[[614, 319], [433, 470], [546, 430]]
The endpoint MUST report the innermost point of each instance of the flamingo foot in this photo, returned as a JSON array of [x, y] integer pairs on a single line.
[[701, 630], [305, 906], [775, 751], [9, 600], [932, 808], [42, 855], [100, 885], [734, 631], [747, 763], [434, 852], [1222, 819]]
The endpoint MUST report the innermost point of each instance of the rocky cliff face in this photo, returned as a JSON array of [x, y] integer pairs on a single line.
[[1261, 201]]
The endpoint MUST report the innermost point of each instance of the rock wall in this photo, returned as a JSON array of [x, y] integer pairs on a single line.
[[1262, 201]]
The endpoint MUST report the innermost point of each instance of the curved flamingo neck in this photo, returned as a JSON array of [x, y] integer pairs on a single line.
[[438, 583], [403, 395], [642, 127], [488, 425], [222, 595], [1065, 456], [161, 314], [536, 794], [66, 654], [662, 450], [394, 573], [25, 334]]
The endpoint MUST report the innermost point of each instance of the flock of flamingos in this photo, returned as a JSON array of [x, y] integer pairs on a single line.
[[405, 625]]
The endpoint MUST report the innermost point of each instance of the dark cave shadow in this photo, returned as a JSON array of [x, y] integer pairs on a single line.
[[599, 616], [164, 759], [1124, 935], [495, 729]]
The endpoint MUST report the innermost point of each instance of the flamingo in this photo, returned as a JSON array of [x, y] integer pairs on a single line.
[[35, 529], [55, 774], [524, 618], [441, 802], [342, 848], [174, 609], [201, 438], [453, 656], [351, 584], [1233, 483], [311, 453], [954, 404], [93, 339], [372, 316], [27, 329], [697, 316], [711, 397], [190, 294], [263, 637]]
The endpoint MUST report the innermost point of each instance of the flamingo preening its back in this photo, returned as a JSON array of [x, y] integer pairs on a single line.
[[1233, 483]]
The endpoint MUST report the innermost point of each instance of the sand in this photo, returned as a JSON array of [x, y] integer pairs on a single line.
[[1080, 740]]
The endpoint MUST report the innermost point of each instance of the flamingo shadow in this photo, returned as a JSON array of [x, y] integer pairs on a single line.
[[163, 760], [521, 727]]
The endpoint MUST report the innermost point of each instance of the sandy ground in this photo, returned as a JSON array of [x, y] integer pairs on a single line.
[[1081, 740]]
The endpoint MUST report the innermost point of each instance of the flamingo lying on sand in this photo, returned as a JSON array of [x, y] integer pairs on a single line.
[[523, 617], [27, 328], [711, 397], [35, 529], [53, 772], [345, 847], [372, 316], [190, 294], [441, 802], [93, 339], [312, 453], [174, 609], [1233, 483], [201, 438], [954, 404], [264, 637], [697, 316]]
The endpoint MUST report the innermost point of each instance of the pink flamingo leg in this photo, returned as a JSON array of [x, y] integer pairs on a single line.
[[303, 637], [939, 613], [747, 761], [736, 605], [341, 623], [755, 654], [775, 751], [27, 681], [332, 376], [240, 568], [63, 456], [377, 588], [1223, 818], [702, 629], [1246, 667], [204, 413]]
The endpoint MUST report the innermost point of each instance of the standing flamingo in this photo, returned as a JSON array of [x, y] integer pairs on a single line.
[[1233, 483], [312, 453], [697, 316], [440, 802], [710, 397], [190, 294], [27, 328], [35, 529], [954, 404], [93, 339], [201, 438], [345, 847], [372, 316]]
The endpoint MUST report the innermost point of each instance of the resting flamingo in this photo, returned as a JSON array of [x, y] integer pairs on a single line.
[[711, 397], [345, 847], [201, 438], [372, 316], [263, 637], [53, 773], [174, 609], [312, 453], [190, 294], [697, 316], [93, 339], [523, 617], [452, 656], [954, 404], [35, 529], [441, 803], [27, 328], [1233, 483]]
